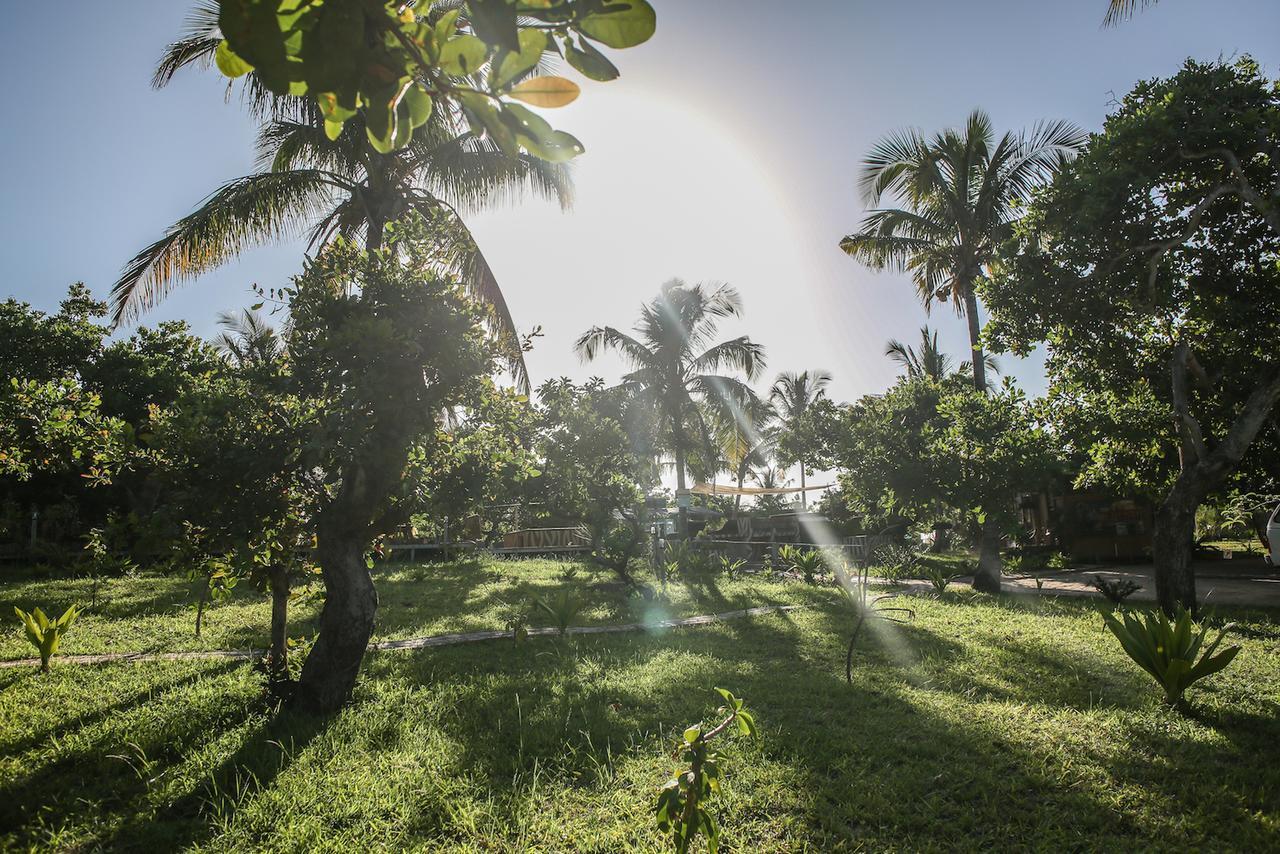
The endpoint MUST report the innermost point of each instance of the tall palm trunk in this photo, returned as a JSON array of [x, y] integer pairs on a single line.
[[804, 496], [677, 427], [975, 340], [990, 565]]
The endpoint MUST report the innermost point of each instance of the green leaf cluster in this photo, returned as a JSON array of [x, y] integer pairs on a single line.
[[45, 634], [394, 60], [680, 809], [1174, 653]]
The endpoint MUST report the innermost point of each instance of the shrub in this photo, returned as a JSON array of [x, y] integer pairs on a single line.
[[731, 567], [45, 634], [807, 562], [895, 561], [1057, 562], [939, 577], [562, 608], [1116, 591], [681, 807], [1171, 651]]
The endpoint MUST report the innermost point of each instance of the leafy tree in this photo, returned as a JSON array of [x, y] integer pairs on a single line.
[[596, 466], [746, 438], [793, 396], [241, 481], [675, 363], [924, 447], [960, 193], [324, 185], [387, 345], [1149, 266]]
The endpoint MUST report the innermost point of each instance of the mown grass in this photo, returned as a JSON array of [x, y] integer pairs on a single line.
[[984, 723], [150, 613]]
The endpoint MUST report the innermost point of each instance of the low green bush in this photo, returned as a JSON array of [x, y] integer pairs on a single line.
[[45, 634], [1171, 651]]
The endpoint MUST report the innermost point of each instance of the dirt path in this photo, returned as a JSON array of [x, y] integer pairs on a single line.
[[414, 643]]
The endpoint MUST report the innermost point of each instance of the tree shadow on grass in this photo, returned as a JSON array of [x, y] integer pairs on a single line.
[[266, 751], [849, 754], [86, 720]]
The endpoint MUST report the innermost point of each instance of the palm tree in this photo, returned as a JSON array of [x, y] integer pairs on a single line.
[[792, 395], [309, 185], [770, 477], [676, 366], [746, 437], [960, 192], [247, 339], [929, 362]]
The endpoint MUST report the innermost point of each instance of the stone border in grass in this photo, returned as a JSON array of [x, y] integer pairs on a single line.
[[414, 643]]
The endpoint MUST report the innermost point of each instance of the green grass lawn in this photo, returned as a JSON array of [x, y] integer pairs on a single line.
[[984, 723]]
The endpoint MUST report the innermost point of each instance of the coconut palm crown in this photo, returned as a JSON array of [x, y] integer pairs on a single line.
[[676, 365], [308, 185], [960, 192]]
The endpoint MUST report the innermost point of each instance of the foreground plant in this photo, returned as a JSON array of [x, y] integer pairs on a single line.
[[562, 608], [681, 809], [856, 589], [45, 634], [807, 562], [1115, 591], [1171, 651]]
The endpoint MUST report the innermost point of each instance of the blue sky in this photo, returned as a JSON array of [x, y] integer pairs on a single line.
[[728, 151]]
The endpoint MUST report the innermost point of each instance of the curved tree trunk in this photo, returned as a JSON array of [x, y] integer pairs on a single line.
[[346, 624], [344, 531], [1202, 472]]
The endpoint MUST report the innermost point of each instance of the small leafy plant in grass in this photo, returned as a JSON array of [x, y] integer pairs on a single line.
[[1116, 591], [808, 562], [681, 808], [939, 577], [896, 562], [1174, 652], [855, 589], [45, 634], [732, 568], [561, 608]]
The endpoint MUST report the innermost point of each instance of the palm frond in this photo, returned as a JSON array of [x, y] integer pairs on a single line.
[[1123, 10], [245, 212]]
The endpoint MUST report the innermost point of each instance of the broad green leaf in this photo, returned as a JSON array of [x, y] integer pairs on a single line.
[[692, 733], [228, 63], [462, 55], [547, 91], [590, 61], [623, 26], [512, 64]]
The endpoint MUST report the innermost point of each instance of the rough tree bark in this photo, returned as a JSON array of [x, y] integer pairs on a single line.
[[344, 531], [278, 578], [987, 576], [1202, 471]]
